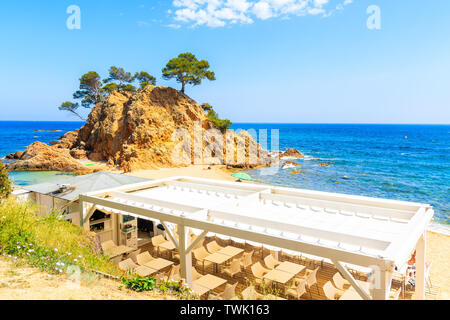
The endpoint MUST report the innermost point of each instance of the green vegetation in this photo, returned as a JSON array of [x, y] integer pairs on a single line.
[[145, 79], [5, 184], [71, 107], [222, 124], [139, 284], [94, 90], [186, 69], [48, 242]]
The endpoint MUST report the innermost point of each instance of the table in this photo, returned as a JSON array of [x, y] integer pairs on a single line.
[[210, 282], [118, 251], [231, 251], [158, 264], [352, 294], [168, 245], [217, 258], [290, 267], [279, 276], [198, 289], [145, 271]]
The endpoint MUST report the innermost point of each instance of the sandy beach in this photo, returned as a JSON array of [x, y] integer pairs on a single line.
[[438, 244]]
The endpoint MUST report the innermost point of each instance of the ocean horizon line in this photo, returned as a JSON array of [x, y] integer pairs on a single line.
[[255, 122]]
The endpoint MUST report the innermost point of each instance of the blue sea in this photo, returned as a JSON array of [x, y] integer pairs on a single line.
[[402, 162]]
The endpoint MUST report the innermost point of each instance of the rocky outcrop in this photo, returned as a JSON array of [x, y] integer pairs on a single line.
[[40, 156], [15, 156], [156, 127], [292, 153]]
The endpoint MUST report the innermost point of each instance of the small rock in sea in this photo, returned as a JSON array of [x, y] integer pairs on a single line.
[[325, 165], [293, 153]]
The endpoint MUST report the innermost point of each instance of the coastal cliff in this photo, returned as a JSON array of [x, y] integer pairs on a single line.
[[135, 131]]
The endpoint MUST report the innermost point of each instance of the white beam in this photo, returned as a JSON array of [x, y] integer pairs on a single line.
[[420, 268], [352, 280], [196, 241], [171, 236], [185, 256]]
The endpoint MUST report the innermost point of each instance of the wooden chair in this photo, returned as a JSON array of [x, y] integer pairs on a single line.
[[213, 247], [271, 262], [156, 241], [144, 258], [200, 254], [233, 269], [395, 294], [258, 272], [331, 292], [311, 279], [133, 255], [298, 291], [250, 293], [117, 259], [127, 265], [228, 294], [246, 260], [339, 281], [108, 245], [173, 275], [195, 274]]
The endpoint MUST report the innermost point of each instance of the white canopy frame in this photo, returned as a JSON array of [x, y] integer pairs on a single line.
[[181, 201]]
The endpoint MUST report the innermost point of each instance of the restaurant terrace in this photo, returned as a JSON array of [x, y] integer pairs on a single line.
[[264, 224]]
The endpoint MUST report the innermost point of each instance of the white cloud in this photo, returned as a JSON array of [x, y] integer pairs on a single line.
[[262, 10], [219, 13]]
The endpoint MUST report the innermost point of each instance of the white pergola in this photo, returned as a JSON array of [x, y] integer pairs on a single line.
[[377, 234]]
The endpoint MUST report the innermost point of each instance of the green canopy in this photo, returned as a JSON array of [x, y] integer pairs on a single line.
[[242, 176]]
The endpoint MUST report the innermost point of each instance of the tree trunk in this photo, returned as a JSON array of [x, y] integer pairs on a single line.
[[182, 86]]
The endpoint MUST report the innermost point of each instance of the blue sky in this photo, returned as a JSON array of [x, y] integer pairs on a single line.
[[311, 61]]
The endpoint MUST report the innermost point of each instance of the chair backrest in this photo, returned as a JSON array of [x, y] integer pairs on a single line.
[[134, 254], [269, 261], [250, 294], [174, 272], [213, 247], [195, 274], [156, 241], [247, 260], [143, 258], [258, 270], [339, 281], [108, 245], [329, 290], [127, 265], [200, 253], [396, 294], [236, 266], [301, 289], [229, 292], [312, 278]]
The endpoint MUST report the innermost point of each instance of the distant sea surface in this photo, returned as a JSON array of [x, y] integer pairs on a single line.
[[402, 162]]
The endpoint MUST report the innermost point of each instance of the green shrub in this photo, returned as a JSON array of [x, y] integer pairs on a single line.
[[5, 184], [222, 124], [139, 284], [48, 242]]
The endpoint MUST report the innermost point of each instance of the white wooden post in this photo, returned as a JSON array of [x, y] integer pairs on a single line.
[[420, 268], [185, 256], [382, 283]]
